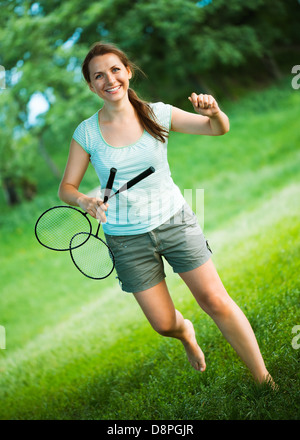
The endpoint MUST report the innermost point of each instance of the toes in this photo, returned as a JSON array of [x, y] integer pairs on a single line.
[[199, 366]]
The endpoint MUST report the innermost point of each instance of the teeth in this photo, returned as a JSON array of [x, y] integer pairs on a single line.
[[112, 90]]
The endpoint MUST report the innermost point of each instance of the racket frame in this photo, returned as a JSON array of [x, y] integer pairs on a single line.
[[103, 243], [108, 196], [84, 214], [89, 234]]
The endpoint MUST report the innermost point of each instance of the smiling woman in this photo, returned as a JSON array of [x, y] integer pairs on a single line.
[[112, 80], [132, 135], [117, 65]]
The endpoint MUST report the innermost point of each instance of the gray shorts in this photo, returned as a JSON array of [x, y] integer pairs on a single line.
[[138, 258]]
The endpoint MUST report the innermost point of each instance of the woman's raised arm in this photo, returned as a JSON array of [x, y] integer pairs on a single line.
[[208, 120]]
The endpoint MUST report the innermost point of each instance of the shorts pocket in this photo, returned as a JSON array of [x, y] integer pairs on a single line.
[[208, 247], [120, 241]]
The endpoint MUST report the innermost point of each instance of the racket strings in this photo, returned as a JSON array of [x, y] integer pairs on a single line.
[[94, 259], [56, 228], [64, 228]]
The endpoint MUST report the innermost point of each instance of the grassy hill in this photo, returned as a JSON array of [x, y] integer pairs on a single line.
[[82, 349]]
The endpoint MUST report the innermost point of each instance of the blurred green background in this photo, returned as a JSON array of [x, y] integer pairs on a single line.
[[67, 338]]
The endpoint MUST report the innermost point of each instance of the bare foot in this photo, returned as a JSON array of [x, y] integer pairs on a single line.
[[270, 381], [194, 353]]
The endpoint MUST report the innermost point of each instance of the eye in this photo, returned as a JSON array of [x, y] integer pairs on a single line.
[[116, 69], [99, 75]]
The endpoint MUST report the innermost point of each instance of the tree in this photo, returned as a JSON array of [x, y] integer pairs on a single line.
[[17, 152], [181, 47]]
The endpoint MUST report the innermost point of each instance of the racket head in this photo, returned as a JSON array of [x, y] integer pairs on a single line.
[[56, 226], [94, 259]]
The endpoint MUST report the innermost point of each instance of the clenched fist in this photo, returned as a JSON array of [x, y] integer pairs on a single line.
[[94, 206], [205, 105]]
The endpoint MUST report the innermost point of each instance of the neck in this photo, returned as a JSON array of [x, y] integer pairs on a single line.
[[113, 111]]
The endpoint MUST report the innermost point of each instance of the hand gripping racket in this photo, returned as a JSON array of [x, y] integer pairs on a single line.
[[56, 226], [90, 254], [96, 260], [58, 229]]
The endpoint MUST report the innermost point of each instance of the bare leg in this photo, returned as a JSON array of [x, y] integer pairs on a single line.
[[159, 309], [209, 292]]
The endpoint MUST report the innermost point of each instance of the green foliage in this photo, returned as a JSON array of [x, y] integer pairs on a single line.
[[18, 149], [222, 48]]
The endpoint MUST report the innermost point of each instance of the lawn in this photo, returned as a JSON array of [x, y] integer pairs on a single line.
[[82, 349]]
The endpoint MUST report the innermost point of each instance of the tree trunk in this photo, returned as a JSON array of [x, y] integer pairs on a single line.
[[48, 159], [10, 191], [201, 85], [272, 66]]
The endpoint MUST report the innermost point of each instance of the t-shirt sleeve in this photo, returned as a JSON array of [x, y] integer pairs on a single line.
[[163, 113], [80, 136]]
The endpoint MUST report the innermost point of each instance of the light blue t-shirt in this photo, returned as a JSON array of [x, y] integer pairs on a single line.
[[150, 202]]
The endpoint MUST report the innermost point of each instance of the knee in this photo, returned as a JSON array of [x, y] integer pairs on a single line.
[[217, 305], [165, 327]]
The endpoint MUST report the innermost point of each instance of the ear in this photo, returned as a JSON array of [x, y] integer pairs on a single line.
[[91, 88], [129, 72]]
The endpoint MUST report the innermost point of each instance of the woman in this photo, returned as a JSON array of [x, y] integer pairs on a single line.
[[152, 219]]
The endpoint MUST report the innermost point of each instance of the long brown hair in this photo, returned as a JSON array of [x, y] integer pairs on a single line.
[[143, 109]]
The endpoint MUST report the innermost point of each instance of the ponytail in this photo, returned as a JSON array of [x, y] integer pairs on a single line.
[[147, 117], [144, 111]]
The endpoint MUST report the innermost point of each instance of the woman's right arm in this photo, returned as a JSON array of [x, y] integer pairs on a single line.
[[76, 167]]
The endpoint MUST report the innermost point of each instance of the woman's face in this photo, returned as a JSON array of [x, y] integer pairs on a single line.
[[109, 78]]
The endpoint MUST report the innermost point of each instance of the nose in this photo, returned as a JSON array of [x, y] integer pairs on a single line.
[[109, 79]]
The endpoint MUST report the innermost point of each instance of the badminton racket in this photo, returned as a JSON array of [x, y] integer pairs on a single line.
[[56, 226], [90, 254]]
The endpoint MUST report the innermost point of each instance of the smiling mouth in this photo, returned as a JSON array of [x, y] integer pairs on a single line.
[[113, 89]]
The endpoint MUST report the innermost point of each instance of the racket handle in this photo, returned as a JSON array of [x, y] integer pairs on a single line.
[[109, 184], [98, 228], [135, 180]]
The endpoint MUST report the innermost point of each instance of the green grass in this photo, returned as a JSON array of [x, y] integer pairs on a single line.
[[81, 349]]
